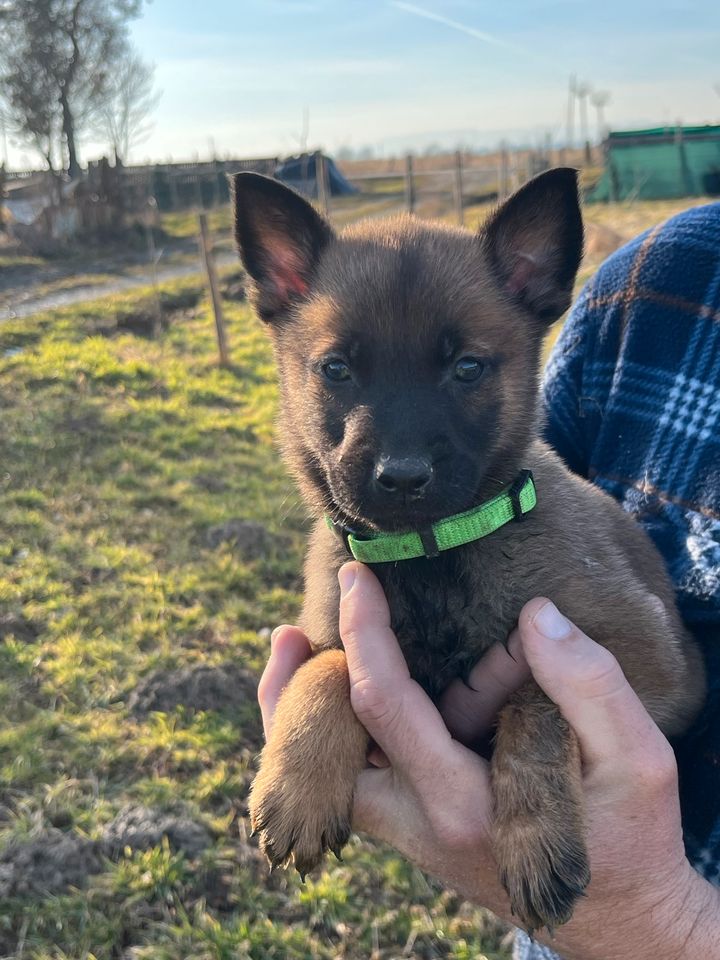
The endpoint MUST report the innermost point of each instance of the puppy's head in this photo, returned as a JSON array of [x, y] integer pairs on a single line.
[[408, 352]]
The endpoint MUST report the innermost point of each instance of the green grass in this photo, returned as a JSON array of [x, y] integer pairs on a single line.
[[185, 223], [117, 454], [20, 260]]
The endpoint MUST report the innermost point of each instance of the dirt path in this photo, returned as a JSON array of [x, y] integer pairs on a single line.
[[27, 302], [32, 288], [26, 290]]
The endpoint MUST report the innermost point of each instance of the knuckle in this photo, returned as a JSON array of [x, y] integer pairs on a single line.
[[601, 675], [656, 769], [374, 703], [457, 712], [350, 630], [456, 833], [262, 690]]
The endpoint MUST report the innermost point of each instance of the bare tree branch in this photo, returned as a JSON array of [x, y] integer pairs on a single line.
[[123, 121]]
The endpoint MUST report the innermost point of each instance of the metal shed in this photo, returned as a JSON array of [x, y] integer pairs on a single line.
[[661, 163]]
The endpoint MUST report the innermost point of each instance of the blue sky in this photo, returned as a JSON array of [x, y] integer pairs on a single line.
[[235, 76]]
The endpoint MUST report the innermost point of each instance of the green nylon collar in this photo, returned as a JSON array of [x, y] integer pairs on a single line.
[[510, 504]]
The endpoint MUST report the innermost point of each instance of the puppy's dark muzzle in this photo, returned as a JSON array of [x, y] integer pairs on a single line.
[[407, 476]]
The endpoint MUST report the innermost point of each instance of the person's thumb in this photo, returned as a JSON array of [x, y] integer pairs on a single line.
[[588, 685], [393, 708]]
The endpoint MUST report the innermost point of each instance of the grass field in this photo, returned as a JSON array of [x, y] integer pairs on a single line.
[[149, 537]]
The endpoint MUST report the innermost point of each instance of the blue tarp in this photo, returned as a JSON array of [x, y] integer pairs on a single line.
[[299, 172]]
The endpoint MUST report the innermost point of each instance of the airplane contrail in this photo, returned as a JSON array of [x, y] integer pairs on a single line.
[[455, 25]]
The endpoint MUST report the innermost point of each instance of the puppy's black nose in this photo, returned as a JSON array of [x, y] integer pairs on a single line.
[[403, 474]]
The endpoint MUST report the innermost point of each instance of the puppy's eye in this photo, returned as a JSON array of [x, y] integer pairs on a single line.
[[336, 370], [468, 369]]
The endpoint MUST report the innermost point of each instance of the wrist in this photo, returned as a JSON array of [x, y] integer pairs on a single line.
[[676, 922], [696, 930]]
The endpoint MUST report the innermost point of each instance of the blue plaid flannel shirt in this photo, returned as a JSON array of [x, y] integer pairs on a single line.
[[632, 397]]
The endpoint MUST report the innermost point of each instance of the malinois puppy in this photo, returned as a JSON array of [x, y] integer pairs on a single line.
[[408, 356]]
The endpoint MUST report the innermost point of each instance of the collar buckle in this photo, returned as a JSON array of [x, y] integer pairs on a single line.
[[514, 492], [429, 542], [343, 533]]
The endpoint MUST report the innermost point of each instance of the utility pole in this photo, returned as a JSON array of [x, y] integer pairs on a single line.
[[583, 91], [600, 99], [305, 132]]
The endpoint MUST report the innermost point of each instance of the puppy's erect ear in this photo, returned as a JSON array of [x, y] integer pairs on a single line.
[[534, 242], [280, 238]]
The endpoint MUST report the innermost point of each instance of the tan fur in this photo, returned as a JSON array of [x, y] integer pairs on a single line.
[[301, 799]]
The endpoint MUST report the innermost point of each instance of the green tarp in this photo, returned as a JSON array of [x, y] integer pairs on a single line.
[[660, 164]]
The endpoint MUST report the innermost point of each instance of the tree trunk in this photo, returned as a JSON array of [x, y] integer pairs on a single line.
[[68, 126], [2, 196]]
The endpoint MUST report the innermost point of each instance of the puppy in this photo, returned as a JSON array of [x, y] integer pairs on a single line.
[[408, 356]]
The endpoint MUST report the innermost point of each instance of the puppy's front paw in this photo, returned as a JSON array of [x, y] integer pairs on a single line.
[[539, 823], [299, 816], [544, 873], [301, 800]]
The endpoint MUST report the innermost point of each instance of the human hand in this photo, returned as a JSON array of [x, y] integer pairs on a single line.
[[385, 803], [433, 801]]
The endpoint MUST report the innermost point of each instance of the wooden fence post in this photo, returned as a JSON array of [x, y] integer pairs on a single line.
[[214, 291], [459, 187], [153, 257], [409, 184], [2, 184], [682, 160], [504, 176], [172, 183], [321, 179]]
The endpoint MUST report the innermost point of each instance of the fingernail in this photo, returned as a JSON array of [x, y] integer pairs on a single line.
[[274, 636], [551, 623], [346, 578]]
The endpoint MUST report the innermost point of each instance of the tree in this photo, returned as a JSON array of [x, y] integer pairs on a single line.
[[31, 112], [57, 65], [30, 108], [123, 119]]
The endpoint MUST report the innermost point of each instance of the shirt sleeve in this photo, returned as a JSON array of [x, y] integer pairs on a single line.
[[566, 423], [526, 949]]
